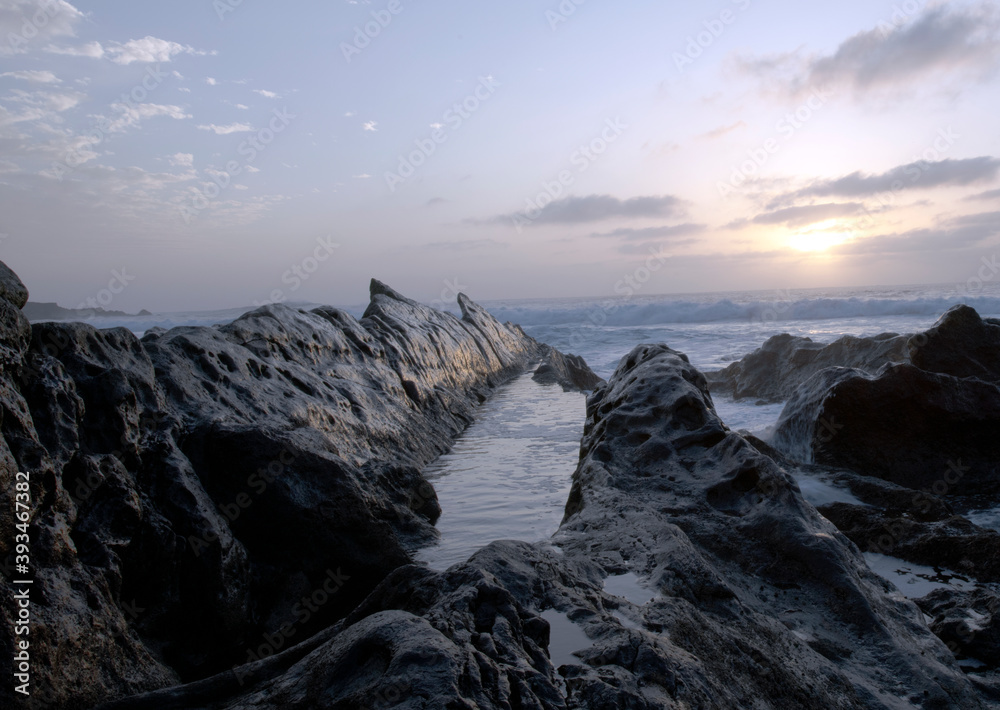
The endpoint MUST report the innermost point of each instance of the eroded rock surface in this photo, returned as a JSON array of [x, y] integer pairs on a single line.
[[205, 496], [571, 372], [738, 594], [960, 344], [774, 371]]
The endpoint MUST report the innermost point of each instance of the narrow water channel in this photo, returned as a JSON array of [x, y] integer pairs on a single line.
[[508, 475]]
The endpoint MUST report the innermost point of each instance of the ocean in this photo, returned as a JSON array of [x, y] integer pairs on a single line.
[[508, 475]]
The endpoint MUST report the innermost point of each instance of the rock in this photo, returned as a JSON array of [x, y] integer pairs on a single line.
[[914, 428], [750, 597], [206, 496], [960, 344], [12, 289], [968, 622], [774, 371], [569, 371], [953, 543]]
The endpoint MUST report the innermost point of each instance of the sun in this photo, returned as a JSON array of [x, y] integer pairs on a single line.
[[821, 239]]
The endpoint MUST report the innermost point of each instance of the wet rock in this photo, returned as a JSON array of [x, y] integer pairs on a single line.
[[918, 429], [774, 371], [207, 496], [968, 622], [953, 543], [960, 344], [569, 371], [754, 599]]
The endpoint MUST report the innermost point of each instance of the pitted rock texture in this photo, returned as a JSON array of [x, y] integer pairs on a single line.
[[205, 496], [753, 600], [775, 370]]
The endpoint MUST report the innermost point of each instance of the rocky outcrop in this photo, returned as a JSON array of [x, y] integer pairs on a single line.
[[960, 344], [688, 572], [915, 428], [568, 371], [207, 496], [774, 371]]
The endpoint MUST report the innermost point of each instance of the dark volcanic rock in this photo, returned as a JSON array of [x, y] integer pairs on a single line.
[[953, 543], [775, 370], [918, 429], [754, 599], [569, 371], [969, 622], [960, 344], [206, 496]]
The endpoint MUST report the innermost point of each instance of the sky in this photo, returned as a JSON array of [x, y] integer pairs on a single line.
[[204, 154]]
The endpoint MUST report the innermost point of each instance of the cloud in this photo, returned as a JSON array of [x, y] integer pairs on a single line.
[[148, 49], [435, 201], [943, 40], [804, 215], [988, 195], [242, 107], [465, 245], [225, 130], [210, 81], [952, 234], [92, 50], [16, 16], [666, 231], [921, 175], [595, 208], [723, 130], [133, 115], [265, 93], [370, 126], [35, 77], [362, 176], [182, 159]]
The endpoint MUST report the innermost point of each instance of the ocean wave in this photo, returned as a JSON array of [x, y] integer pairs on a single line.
[[617, 313]]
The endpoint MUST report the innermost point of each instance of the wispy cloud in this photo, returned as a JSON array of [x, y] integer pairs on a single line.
[[92, 50], [60, 21], [148, 49], [370, 125], [645, 233], [722, 130], [941, 41], [227, 129], [35, 77], [596, 208], [265, 93], [950, 234], [919, 175], [804, 215]]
